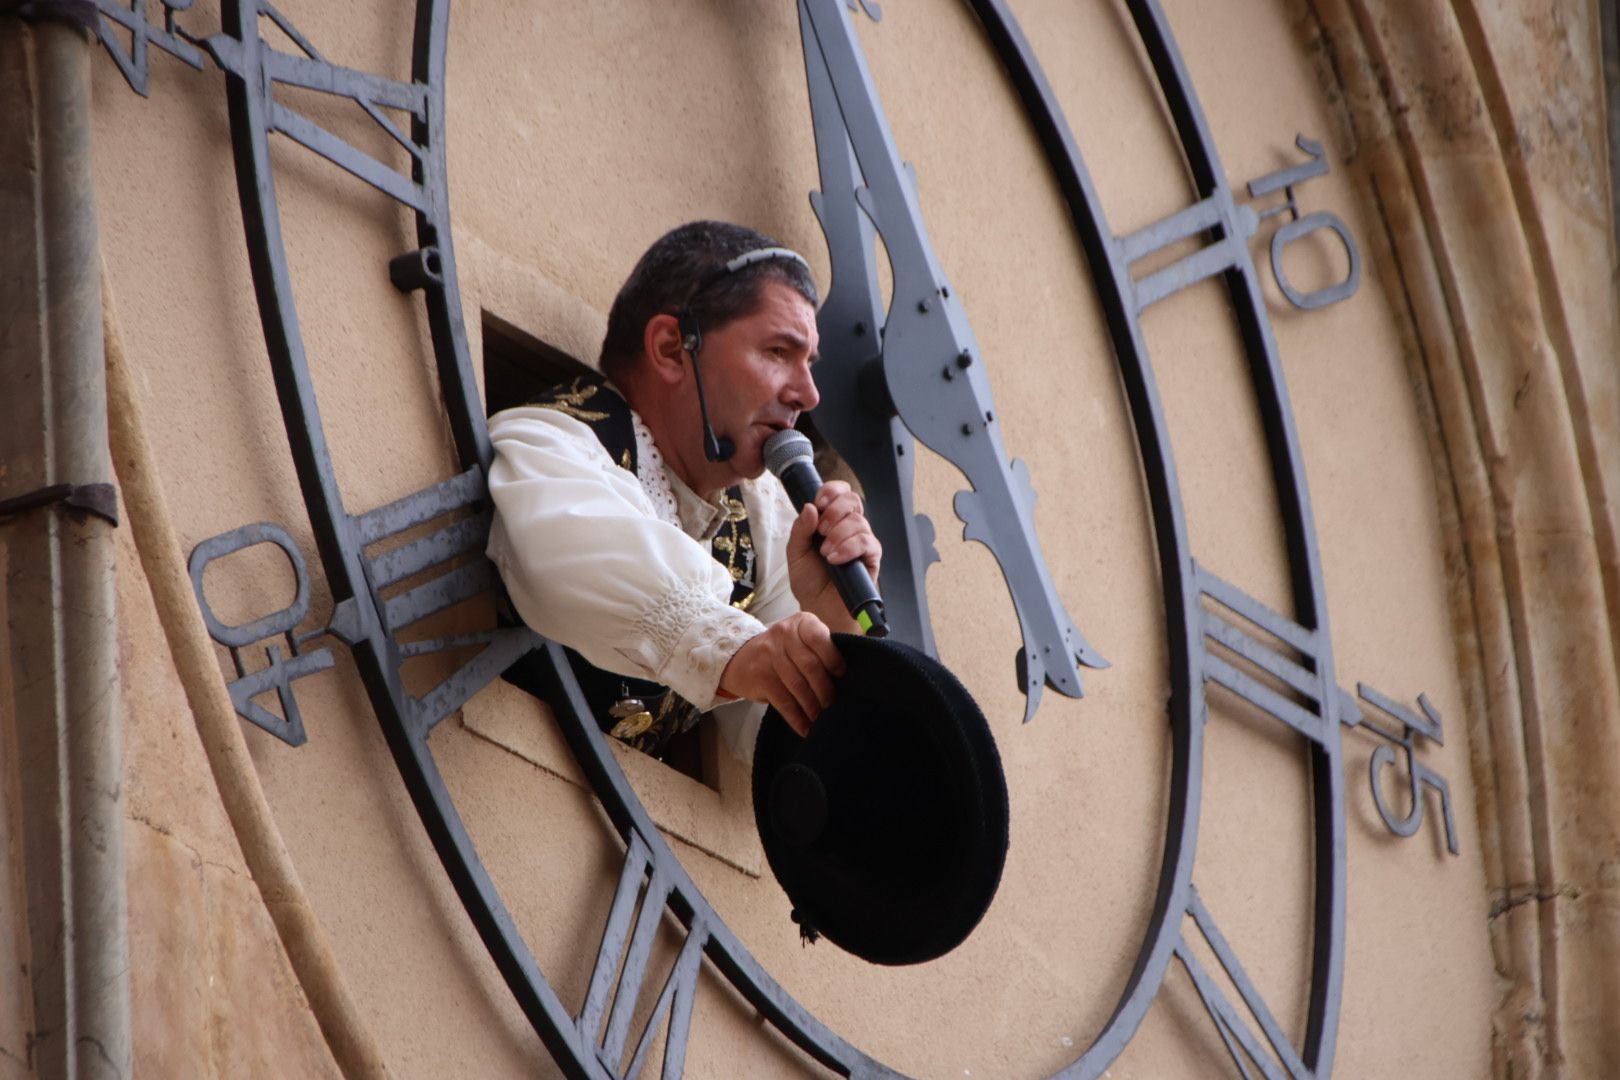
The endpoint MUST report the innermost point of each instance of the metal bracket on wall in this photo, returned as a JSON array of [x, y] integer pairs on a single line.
[[99, 500]]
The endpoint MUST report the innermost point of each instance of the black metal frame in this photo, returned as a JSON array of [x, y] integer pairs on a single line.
[[919, 361], [1209, 620]]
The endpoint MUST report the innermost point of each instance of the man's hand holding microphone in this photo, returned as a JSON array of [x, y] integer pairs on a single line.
[[833, 561]]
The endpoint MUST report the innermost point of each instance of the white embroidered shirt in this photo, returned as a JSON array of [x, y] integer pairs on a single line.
[[617, 566]]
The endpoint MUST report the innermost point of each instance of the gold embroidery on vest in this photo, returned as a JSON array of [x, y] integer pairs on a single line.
[[570, 402]]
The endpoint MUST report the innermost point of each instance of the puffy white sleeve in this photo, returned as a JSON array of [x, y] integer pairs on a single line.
[[588, 563]]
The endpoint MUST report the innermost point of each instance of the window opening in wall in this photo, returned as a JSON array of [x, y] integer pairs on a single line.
[[518, 366]]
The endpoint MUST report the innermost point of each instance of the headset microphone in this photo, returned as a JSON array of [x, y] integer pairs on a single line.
[[715, 448]]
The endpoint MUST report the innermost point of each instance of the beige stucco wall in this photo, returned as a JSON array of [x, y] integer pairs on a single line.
[[578, 133]]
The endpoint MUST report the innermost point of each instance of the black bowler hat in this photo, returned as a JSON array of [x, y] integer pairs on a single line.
[[887, 825]]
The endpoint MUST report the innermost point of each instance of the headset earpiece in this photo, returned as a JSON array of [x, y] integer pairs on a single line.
[[691, 334]]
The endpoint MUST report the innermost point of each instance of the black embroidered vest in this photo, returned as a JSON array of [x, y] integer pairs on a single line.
[[640, 713]]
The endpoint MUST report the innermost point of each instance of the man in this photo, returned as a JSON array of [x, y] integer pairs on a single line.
[[623, 528]]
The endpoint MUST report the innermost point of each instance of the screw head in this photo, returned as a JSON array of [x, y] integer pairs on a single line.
[[964, 360], [967, 429], [923, 305]]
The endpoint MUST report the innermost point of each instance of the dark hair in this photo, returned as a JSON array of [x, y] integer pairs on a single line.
[[672, 275]]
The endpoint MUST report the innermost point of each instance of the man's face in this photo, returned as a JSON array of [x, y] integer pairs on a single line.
[[756, 372]]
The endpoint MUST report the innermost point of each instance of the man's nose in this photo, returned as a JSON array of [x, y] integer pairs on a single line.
[[802, 392]]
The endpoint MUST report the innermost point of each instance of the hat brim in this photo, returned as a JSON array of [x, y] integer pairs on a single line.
[[887, 825]]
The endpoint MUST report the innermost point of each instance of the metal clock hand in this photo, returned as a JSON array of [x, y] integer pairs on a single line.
[[926, 368], [859, 418]]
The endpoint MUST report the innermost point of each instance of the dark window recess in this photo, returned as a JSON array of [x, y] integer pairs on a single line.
[[518, 367]]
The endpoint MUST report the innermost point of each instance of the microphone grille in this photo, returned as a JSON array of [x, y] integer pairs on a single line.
[[784, 448]]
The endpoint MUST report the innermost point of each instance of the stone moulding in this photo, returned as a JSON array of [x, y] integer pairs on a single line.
[[1516, 406], [352, 1043]]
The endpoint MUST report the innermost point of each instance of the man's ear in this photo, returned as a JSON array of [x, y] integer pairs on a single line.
[[666, 356]]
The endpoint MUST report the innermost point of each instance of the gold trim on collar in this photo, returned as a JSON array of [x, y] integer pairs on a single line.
[[569, 402]]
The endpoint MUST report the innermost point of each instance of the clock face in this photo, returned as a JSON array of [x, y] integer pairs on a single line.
[[1101, 302]]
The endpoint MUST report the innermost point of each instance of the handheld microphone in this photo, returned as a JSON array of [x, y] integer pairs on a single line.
[[789, 457]]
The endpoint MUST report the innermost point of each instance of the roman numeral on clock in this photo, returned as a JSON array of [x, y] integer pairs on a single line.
[[1297, 694], [1282, 1061], [621, 970]]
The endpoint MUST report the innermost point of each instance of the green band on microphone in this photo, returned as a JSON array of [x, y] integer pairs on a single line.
[[865, 619]]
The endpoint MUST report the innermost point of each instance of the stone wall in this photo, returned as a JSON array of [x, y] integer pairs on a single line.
[[1460, 426]]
